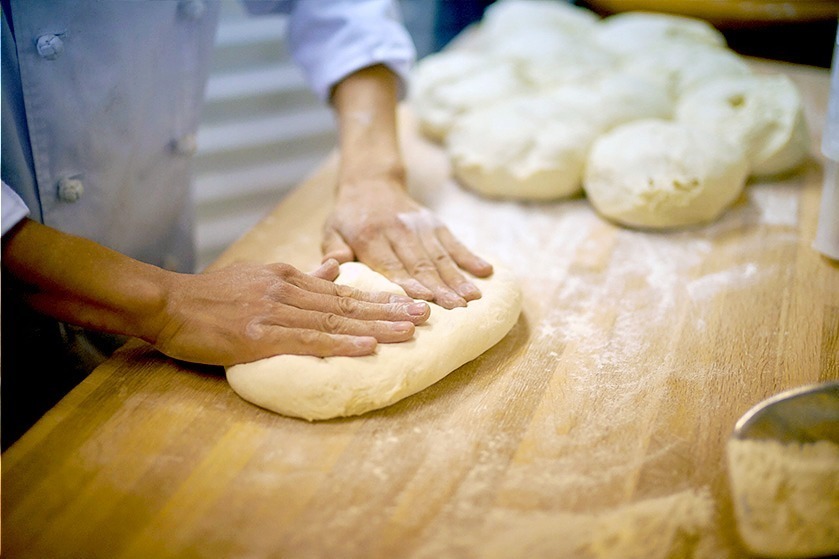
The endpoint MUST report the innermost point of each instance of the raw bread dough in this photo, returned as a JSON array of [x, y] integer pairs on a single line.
[[682, 67], [633, 34], [583, 77], [658, 174], [763, 113], [535, 147], [508, 17], [449, 84], [324, 388], [520, 149], [613, 99], [575, 62]]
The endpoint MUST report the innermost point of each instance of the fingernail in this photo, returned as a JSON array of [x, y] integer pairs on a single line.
[[422, 291], [365, 343], [417, 309], [468, 291], [451, 301], [402, 326], [400, 299]]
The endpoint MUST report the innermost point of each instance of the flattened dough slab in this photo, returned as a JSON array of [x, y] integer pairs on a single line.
[[324, 388]]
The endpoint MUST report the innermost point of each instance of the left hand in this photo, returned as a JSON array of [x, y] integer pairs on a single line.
[[386, 229]]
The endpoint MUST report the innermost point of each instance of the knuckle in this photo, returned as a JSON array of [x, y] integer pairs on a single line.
[[282, 270], [331, 322], [347, 305], [279, 291], [309, 338], [423, 266], [391, 266], [343, 291]]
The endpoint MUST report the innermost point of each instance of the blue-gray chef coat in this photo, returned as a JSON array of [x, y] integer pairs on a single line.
[[101, 101], [100, 105]]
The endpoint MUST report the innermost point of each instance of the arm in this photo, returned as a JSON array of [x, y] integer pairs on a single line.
[[356, 55], [237, 314], [375, 219]]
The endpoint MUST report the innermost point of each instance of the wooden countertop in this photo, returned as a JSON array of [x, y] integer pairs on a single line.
[[596, 428]]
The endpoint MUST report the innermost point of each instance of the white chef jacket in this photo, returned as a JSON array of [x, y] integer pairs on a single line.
[[101, 102]]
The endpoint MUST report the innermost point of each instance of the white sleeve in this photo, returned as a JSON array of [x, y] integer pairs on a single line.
[[331, 39], [14, 210]]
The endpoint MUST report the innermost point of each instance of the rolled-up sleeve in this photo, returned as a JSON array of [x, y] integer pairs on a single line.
[[14, 210], [331, 39]]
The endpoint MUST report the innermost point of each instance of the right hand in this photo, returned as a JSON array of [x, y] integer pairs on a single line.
[[246, 312]]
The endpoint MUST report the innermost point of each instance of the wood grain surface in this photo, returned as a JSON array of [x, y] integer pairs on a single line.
[[596, 428]]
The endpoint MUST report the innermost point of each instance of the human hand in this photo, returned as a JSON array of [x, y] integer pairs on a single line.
[[384, 228], [246, 312]]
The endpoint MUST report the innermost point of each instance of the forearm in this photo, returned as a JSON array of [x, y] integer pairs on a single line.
[[78, 281], [365, 103]]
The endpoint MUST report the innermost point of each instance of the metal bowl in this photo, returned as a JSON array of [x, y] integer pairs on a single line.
[[806, 414], [783, 465]]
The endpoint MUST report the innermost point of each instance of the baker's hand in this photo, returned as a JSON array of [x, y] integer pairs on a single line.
[[395, 236], [246, 312]]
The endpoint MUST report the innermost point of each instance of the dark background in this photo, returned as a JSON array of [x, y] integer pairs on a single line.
[[809, 43]]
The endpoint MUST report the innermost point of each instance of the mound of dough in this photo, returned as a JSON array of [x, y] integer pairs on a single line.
[[519, 150], [448, 84], [659, 174], [763, 113], [614, 99], [576, 62], [682, 67], [601, 73], [633, 34], [509, 17], [316, 388], [535, 147]]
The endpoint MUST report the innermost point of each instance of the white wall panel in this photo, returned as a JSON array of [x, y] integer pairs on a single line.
[[262, 131]]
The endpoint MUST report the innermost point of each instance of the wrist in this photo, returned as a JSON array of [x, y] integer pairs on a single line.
[[151, 303]]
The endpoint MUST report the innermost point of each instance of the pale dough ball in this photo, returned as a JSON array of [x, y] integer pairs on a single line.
[[683, 67], [545, 57], [577, 61], [520, 149], [632, 34], [613, 99], [548, 41], [323, 388], [507, 17], [763, 113], [659, 174], [534, 147], [449, 84]]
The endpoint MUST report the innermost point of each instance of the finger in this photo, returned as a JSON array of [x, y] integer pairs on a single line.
[[384, 331], [448, 270], [464, 258], [288, 276], [399, 310], [279, 340], [334, 246], [416, 260], [380, 256], [328, 270]]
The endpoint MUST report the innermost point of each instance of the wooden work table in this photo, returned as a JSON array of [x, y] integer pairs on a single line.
[[596, 428]]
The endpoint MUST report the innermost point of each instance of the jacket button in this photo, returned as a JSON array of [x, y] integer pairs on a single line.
[[49, 46], [70, 190], [191, 9], [186, 145]]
